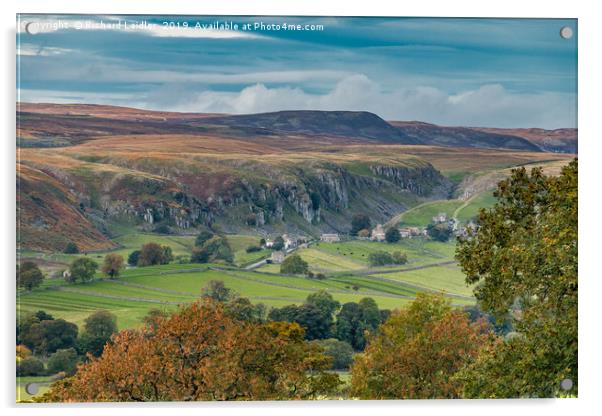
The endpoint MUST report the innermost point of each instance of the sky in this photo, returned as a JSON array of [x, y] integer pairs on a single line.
[[469, 72]]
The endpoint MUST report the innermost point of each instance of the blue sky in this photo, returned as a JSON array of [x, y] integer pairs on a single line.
[[476, 72]]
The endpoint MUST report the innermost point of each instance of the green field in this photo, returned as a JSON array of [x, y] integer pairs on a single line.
[[470, 209], [355, 252], [349, 278]]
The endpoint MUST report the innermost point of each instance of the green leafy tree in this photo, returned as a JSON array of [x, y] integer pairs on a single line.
[[217, 291], [354, 320], [218, 249], [112, 266], [340, 352], [523, 260], [98, 329], [323, 301], [29, 275], [243, 310], [392, 235], [439, 232], [63, 361], [316, 324], [46, 336], [71, 248], [82, 269], [359, 222], [199, 255], [133, 258], [278, 243], [294, 264]]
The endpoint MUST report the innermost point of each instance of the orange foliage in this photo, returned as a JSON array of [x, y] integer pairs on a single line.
[[417, 351], [200, 353]]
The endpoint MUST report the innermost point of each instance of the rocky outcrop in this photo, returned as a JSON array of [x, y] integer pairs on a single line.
[[308, 193]]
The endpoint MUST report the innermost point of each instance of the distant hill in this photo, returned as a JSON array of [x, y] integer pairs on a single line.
[[352, 124], [52, 125], [558, 140], [432, 134]]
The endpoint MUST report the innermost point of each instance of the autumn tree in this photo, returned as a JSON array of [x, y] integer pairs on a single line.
[[523, 260], [417, 351], [200, 353], [112, 266], [29, 275], [153, 253]]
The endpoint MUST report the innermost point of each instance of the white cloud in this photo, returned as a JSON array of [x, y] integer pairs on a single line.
[[490, 105]]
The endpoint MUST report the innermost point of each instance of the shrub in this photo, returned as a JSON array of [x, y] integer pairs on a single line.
[[365, 233], [380, 258], [399, 257], [253, 249], [162, 229]]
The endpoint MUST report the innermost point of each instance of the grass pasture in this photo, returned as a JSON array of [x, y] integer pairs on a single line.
[[140, 289], [422, 215]]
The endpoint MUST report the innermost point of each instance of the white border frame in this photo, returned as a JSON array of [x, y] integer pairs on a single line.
[[590, 69]]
